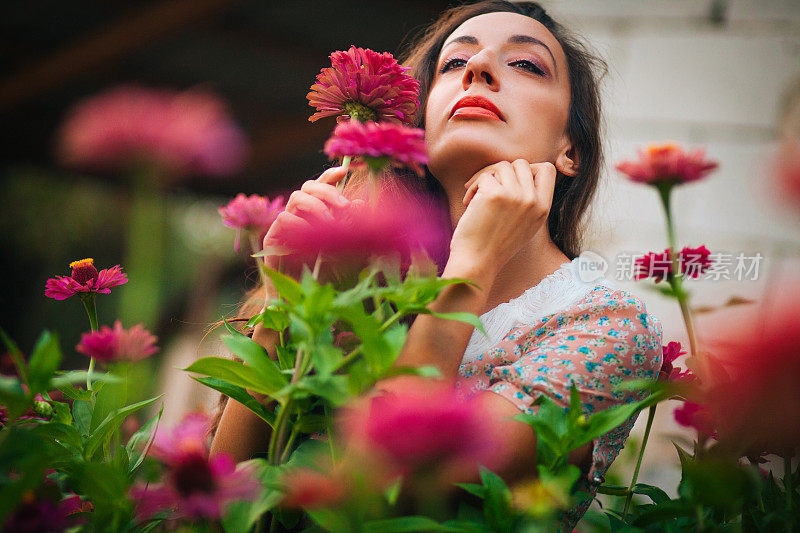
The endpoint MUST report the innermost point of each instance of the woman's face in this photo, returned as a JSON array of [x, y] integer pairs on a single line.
[[516, 64]]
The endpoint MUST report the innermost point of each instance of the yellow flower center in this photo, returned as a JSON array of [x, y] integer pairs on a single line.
[[82, 262], [661, 149]]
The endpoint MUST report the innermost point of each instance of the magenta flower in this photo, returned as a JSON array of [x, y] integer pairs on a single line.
[[252, 213], [696, 416], [392, 224], [668, 372], [365, 85], [195, 485], [305, 488], [667, 163], [118, 344], [692, 262], [379, 144], [179, 132], [43, 509], [84, 280], [425, 426]]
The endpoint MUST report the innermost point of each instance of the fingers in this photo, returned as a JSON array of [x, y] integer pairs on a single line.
[[524, 174], [301, 202], [544, 182], [326, 192], [332, 176], [286, 221]]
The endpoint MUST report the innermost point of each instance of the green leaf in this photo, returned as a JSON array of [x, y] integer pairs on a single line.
[[405, 524], [497, 502], [469, 318], [140, 442], [64, 379], [473, 488], [651, 491], [231, 371], [44, 361], [256, 357], [289, 289], [286, 357], [75, 394], [82, 415], [334, 389], [240, 395], [392, 492], [63, 434], [612, 490], [111, 424], [310, 423]]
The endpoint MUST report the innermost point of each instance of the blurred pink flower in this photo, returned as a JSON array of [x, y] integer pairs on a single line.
[[252, 213], [195, 485], [180, 132], [696, 416], [379, 145], [45, 509], [365, 85], [692, 263], [118, 344], [305, 488], [426, 426], [84, 279], [786, 171], [667, 163], [389, 223], [668, 372]]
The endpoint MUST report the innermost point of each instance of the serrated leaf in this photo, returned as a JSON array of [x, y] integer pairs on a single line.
[[257, 358], [289, 289]]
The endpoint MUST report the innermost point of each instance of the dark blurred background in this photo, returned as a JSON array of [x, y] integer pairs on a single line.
[[259, 56]]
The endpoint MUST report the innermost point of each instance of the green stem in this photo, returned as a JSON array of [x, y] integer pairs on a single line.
[[288, 448], [651, 413], [675, 280], [346, 165], [255, 247], [328, 426], [392, 320], [346, 359], [280, 424], [91, 310]]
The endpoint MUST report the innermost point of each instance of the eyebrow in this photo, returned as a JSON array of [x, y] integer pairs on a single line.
[[514, 39]]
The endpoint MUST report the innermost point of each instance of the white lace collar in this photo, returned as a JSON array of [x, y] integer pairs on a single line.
[[555, 292]]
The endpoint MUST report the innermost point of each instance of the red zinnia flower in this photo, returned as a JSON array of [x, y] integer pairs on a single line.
[[365, 85], [308, 489], [388, 224], [379, 144], [196, 486], [118, 344], [426, 427], [668, 372], [252, 213], [84, 279], [696, 416], [692, 263], [667, 163], [182, 132]]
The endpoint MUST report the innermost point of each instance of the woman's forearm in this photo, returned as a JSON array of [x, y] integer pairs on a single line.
[[439, 342]]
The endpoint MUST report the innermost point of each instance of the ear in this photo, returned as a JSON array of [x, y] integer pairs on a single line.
[[567, 160]]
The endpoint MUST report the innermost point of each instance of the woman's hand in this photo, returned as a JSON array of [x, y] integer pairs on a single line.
[[506, 203], [314, 202]]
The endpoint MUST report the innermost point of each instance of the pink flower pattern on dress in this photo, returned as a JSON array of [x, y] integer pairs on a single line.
[[667, 163], [379, 145], [118, 344], [606, 338], [366, 85], [84, 280]]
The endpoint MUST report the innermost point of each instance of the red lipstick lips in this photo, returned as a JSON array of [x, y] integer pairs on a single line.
[[476, 106]]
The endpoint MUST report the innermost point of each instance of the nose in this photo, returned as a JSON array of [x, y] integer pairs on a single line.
[[479, 69]]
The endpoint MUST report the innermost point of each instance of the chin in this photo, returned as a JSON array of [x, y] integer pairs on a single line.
[[467, 153]]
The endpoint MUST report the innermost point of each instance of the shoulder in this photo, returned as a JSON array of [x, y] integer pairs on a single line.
[[620, 304]]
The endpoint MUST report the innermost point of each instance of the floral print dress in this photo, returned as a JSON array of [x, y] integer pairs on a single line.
[[561, 332]]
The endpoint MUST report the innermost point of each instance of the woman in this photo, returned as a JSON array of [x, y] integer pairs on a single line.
[[512, 121]]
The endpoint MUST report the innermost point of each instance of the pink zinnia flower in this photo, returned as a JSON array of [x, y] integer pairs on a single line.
[[118, 344], [696, 416], [84, 280], [195, 485], [379, 145], [180, 132], [692, 263], [252, 213], [305, 488], [668, 372], [390, 223], [667, 163], [427, 427], [365, 85]]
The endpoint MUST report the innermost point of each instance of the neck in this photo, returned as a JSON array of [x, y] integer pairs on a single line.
[[538, 258]]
